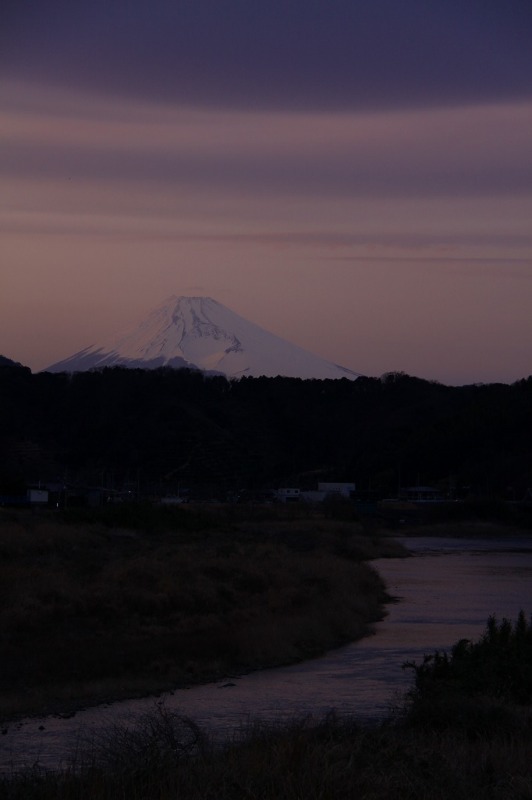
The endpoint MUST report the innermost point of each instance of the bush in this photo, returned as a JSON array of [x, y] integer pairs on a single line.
[[157, 741], [498, 666]]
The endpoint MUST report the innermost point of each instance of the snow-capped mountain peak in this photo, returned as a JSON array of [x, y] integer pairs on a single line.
[[199, 332]]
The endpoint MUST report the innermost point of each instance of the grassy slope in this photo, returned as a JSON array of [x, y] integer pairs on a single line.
[[166, 757], [91, 611]]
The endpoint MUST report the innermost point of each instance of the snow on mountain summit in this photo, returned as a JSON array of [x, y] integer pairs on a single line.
[[199, 332]]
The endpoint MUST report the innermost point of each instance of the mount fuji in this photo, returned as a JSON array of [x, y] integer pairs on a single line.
[[200, 333]]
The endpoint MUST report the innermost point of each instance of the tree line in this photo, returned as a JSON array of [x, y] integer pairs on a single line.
[[168, 428]]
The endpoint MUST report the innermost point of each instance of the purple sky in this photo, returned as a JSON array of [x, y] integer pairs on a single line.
[[355, 177]]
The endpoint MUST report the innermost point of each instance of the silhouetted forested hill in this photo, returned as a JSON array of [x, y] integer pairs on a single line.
[[176, 427]]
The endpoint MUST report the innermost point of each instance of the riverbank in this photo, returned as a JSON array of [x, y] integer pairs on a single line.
[[167, 757], [465, 529], [459, 735], [93, 611]]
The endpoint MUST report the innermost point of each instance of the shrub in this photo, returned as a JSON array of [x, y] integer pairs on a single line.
[[498, 666], [157, 741]]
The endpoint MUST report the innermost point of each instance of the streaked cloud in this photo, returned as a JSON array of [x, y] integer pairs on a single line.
[[464, 151], [281, 54], [367, 165]]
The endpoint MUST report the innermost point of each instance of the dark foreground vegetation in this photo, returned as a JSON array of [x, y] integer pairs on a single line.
[[162, 430], [102, 604], [474, 743], [499, 665]]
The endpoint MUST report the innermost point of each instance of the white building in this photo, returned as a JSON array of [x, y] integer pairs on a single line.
[[288, 495], [343, 489]]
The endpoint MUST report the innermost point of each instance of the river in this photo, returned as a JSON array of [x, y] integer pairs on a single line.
[[445, 592]]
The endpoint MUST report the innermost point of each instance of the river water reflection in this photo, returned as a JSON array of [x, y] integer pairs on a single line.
[[445, 592]]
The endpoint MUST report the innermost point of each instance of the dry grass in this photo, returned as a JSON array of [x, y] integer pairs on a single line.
[[90, 613], [166, 758]]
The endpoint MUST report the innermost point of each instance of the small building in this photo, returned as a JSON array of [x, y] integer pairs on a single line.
[[313, 496], [172, 500], [37, 497], [421, 494], [288, 495], [343, 489]]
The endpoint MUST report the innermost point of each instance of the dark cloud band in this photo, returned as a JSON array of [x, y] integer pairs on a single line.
[[291, 54]]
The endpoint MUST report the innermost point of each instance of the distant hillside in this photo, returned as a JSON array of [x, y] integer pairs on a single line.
[[8, 362], [168, 429]]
